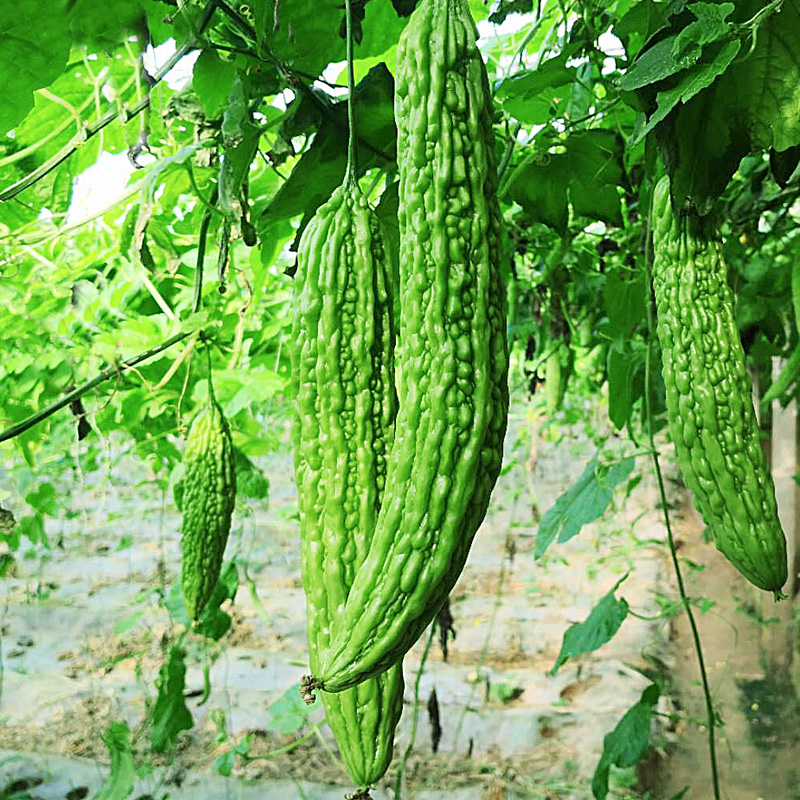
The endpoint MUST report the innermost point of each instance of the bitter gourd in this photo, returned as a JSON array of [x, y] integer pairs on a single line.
[[452, 352], [343, 369], [709, 395], [209, 496]]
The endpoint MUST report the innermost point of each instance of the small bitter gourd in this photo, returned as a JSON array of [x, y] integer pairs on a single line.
[[209, 496], [343, 371], [452, 352], [709, 395]]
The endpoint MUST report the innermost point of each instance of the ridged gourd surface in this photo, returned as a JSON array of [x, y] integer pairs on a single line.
[[452, 350], [343, 369], [209, 496], [709, 395]]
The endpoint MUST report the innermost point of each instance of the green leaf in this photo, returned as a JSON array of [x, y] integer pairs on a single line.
[[32, 527], [44, 499], [170, 715], [309, 35], [120, 781], [507, 7], [34, 53], [624, 302], [321, 168], [638, 24], [214, 623], [623, 365], [768, 80], [709, 27], [727, 106], [583, 502], [240, 137], [90, 21], [597, 629], [655, 64], [224, 764], [595, 161], [251, 482], [628, 742], [212, 81], [539, 185], [530, 96], [700, 77], [288, 713]]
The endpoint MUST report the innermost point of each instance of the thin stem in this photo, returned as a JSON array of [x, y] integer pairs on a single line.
[[281, 750], [651, 329], [351, 174], [110, 372], [207, 344], [398, 783], [198, 193], [201, 253], [506, 160]]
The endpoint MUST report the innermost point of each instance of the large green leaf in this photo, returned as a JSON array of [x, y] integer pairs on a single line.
[[628, 742], [530, 96], [715, 92], [122, 777], [321, 168], [539, 185], [582, 503], [34, 53], [595, 161], [307, 35], [588, 174], [212, 81], [170, 715], [767, 80], [597, 629]]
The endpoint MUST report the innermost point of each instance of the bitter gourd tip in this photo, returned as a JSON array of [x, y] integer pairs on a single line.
[[308, 684], [361, 794]]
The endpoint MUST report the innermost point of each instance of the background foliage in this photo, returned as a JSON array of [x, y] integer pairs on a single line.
[[592, 100]]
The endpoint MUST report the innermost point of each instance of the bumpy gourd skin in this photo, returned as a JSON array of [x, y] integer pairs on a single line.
[[209, 495], [709, 396], [453, 360], [343, 369]]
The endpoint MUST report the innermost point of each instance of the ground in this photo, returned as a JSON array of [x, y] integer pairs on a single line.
[[85, 630]]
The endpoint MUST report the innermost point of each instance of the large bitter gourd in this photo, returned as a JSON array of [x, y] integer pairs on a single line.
[[343, 369], [452, 352], [709, 395], [209, 496]]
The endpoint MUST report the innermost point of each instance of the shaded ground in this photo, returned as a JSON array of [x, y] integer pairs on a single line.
[[85, 630], [758, 743]]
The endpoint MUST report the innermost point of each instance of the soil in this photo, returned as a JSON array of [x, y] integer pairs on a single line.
[[758, 742], [85, 629]]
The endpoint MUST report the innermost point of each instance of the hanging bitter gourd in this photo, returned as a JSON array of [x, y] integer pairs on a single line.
[[209, 496], [452, 353], [343, 370], [709, 395]]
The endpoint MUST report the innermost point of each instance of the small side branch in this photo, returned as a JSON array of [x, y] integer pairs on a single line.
[[110, 372]]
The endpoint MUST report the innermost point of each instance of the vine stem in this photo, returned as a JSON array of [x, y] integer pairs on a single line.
[[197, 298], [651, 331], [398, 783], [351, 173], [110, 372]]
